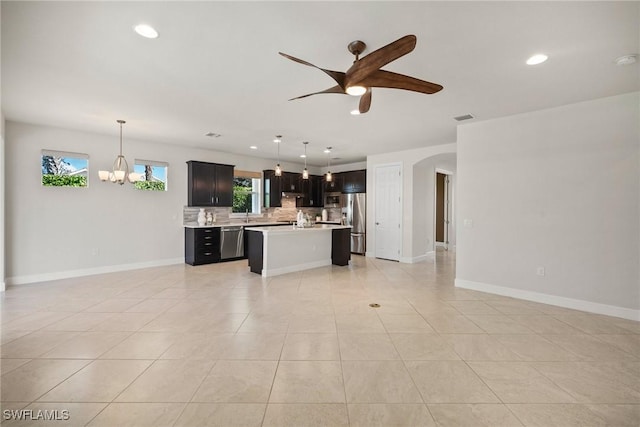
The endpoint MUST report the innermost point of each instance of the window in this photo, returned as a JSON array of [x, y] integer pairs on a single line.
[[246, 192], [62, 169], [153, 175]]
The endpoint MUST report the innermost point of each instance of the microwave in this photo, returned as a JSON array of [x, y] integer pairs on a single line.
[[332, 200]]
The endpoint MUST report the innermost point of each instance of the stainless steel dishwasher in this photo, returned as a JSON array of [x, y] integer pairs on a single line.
[[231, 242]]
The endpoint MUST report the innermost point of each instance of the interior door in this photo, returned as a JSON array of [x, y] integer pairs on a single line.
[[440, 207], [388, 212]]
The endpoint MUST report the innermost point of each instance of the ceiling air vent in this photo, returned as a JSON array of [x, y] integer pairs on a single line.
[[465, 117]]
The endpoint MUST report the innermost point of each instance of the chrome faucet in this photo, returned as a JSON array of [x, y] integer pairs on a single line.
[[247, 212]]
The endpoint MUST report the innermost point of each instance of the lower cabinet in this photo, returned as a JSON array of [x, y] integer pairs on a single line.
[[201, 245], [341, 246]]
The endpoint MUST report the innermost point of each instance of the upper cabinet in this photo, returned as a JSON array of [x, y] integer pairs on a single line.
[[291, 182], [347, 182], [272, 191], [335, 186], [354, 181], [209, 184], [312, 194]]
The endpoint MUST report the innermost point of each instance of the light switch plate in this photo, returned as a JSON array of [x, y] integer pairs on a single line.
[[468, 223]]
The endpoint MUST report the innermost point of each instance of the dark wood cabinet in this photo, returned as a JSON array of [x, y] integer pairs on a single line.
[[224, 185], [290, 182], [209, 184], [317, 191], [354, 181], [335, 186], [272, 187], [201, 245], [347, 182], [341, 246], [312, 192]]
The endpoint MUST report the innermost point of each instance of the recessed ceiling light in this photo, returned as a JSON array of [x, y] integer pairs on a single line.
[[212, 135], [303, 156], [537, 59], [626, 60], [355, 112], [253, 147], [146, 31], [327, 150]]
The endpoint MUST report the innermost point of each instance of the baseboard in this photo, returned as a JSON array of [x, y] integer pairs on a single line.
[[576, 304], [415, 259], [45, 277]]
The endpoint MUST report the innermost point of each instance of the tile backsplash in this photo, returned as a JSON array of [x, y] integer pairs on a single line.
[[287, 212]]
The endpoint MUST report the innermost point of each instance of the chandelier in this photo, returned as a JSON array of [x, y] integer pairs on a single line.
[[120, 172]]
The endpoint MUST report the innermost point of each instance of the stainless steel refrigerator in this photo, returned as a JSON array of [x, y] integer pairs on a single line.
[[354, 208]]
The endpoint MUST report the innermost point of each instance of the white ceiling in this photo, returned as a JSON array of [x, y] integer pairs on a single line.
[[215, 67]]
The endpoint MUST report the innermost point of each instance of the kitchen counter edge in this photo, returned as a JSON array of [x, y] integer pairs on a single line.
[[241, 224]]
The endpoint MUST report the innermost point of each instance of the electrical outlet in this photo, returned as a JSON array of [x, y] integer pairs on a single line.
[[95, 251], [540, 271], [468, 223]]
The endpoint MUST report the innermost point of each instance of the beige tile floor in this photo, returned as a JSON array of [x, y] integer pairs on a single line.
[[219, 346]]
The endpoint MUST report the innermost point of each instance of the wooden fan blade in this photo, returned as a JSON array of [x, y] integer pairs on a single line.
[[391, 80], [338, 76], [365, 101], [335, 89], [379, 58]]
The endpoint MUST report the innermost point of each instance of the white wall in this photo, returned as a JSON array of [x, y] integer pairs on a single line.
[[559, 189], [62, 232], [424, 194], [407, 159], [345, 167], [2, 207]]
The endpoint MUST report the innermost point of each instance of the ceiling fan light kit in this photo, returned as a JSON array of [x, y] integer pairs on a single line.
[[356, 90], [366, 73]]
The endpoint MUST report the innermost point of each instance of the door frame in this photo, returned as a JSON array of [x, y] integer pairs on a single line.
[[401, 209], [448, 207]]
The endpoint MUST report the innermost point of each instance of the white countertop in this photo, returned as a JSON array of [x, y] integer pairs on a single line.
[[235, 224], [278, 230]]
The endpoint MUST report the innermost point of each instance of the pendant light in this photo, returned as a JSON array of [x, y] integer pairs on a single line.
[[278, 140], [305, 172], [120, 172], [328, 176]]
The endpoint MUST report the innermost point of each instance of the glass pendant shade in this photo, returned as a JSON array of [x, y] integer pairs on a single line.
[[305, 174], [328, 177], [278, 140]]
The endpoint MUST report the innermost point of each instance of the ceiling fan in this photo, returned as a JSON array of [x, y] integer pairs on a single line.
[[365, 73]]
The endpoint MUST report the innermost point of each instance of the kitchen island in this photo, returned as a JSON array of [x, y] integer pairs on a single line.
[[281, 250]]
